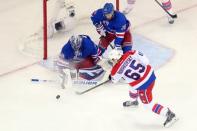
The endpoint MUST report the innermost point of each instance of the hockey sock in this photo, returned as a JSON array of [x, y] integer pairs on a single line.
[[167, 5]]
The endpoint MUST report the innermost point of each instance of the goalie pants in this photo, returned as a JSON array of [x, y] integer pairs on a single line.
[[86, 63], [126, 43]]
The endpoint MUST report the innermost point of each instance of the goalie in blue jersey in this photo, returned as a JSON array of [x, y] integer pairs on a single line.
[[81, 55]]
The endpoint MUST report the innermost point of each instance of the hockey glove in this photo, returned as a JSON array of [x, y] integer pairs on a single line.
[[100, 29]]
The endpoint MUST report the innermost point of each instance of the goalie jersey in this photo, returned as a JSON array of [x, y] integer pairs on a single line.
[[118, 25], [134, 68], [88, 49]]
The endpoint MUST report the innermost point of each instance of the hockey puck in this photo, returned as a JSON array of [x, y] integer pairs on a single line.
[[58, 96]]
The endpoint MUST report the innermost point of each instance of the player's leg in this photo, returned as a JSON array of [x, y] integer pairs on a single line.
[[147, 100], [133, 102], [127, 42], [105, 41], [168, 6], [129, 7]]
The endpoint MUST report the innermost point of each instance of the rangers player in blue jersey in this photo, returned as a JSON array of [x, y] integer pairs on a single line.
[[112, 25]]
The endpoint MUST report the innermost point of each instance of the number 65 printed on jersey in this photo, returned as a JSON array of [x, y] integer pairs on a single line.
[[135, 71]]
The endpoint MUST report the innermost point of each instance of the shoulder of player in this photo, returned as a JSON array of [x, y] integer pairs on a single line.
[[88, 43], [122, 60], [67, 46], [67, 51], [98, 12], [119, 16]]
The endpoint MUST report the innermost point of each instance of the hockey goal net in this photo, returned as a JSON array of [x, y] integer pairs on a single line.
[[41, 43]]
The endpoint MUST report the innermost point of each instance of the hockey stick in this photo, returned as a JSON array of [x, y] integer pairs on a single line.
[[85, 91], [42, 80], [112, 47], [173, 16], [75, 82]]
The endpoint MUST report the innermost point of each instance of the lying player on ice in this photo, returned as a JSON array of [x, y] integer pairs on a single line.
[[79, 57], [133, 68]]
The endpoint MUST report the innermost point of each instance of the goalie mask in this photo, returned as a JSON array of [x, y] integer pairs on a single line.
[[114, 56], [76, 42]]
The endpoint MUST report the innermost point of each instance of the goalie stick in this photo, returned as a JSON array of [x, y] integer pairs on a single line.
[[42, 80], [77, 82], [85, 91], [171, 15]]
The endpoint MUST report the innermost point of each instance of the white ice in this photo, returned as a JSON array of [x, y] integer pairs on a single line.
[[32, 107]]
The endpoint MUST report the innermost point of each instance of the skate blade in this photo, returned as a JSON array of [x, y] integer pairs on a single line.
[[131, 106], [175, 119]]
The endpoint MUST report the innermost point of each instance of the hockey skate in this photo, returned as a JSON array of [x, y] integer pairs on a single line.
[[170, 20], [131, 103], [171, 118]]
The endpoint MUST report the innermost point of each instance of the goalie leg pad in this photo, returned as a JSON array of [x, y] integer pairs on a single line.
[[94, 73], [65, 78]]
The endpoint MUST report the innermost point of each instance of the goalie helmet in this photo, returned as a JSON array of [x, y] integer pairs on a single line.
[[76, 41]]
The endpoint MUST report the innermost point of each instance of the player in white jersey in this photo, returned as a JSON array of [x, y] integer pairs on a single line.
[[165, 3], [134, 68]]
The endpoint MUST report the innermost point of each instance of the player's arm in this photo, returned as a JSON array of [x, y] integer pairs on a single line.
[[116, 75], [120, 32], [97, 17]]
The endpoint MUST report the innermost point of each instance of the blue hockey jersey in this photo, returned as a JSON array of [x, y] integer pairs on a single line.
[[88, 49], [118, 25]]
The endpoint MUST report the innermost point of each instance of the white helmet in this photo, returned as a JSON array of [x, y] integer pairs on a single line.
[[115, 55], [76, 41]]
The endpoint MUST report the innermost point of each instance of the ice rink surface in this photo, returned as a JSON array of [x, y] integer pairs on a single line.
[[25, 106]]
